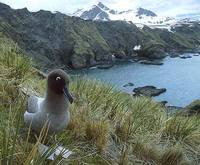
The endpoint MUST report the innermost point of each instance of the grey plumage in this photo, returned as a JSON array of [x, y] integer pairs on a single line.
[[53, 109], [32, 104]]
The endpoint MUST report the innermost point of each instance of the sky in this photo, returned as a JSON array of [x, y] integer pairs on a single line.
[[160, 7]]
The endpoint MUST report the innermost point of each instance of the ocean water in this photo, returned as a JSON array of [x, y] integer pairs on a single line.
[[181, 78]]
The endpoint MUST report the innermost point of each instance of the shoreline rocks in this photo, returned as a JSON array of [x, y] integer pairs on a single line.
[[130, 84], [148, 62], [189, 110], [196, 54], [105, 66], [149, 91], [185, 56], [163, 103]]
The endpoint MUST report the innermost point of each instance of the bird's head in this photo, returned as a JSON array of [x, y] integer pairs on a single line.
[[58, 82]]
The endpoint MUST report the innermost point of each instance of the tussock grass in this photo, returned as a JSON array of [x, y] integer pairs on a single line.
[[184, 128], [146, 152], [15, 72], [107, 126], [173, 156], [13, 63]]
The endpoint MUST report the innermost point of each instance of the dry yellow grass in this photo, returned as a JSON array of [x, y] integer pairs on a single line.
[[107, 126]]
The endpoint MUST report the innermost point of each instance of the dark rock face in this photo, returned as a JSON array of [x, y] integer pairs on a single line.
[[142, 11], [112, 12], [101, 5], [149, 91], [96, 13], [92, 14], [121, 55]]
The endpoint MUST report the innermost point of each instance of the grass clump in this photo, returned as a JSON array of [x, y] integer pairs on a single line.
[[181, 128], [16, 71], [107, 126], [13, 63]]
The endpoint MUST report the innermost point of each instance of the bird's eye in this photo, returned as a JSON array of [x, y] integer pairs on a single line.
[[58, 78]]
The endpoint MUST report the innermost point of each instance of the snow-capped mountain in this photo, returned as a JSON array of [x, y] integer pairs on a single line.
[[139, 16], [192, 16]]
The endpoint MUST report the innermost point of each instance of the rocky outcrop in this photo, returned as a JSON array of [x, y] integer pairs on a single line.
[[152, 50], [150, 62], [145, 12], [95, 13], [189, 110], [185, 56], [193, 108], [163, 103], [149, 91], [130, 84], [196, 54]]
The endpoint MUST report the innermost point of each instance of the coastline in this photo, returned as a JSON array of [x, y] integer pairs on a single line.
[[169, 76]]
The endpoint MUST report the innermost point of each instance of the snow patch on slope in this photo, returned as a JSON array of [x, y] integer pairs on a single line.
[[139, 17], [137, 47]]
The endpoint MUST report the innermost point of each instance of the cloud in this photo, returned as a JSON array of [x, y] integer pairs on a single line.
[[161, 7]]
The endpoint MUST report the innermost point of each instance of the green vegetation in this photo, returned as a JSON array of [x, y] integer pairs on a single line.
[[54, 39], [87, 38], [169, 39], [107, 126]]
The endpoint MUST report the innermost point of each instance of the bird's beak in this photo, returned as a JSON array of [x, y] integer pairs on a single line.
[[68, 94]]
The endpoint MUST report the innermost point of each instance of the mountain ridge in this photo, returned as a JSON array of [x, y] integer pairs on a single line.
[[100, 12], [56, 39]]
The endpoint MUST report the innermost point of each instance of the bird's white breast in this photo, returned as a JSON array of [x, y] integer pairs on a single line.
[[45, 117]]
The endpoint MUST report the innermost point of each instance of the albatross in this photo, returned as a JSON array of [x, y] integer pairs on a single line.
[[53, 109]]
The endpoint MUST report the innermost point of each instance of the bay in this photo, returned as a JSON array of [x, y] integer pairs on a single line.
[[181, 78]]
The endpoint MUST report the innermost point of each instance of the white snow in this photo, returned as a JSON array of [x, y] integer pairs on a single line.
[[137, 47], [131, 16]]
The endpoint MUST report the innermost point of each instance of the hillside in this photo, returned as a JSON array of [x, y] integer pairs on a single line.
[[109, 128], [55, 39]]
